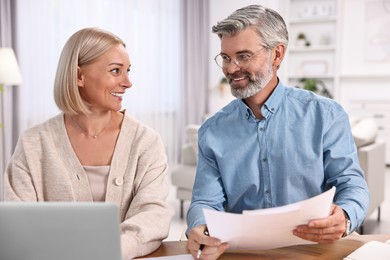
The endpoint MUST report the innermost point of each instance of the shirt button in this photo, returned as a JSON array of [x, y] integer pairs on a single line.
[[261, 129], [272, 109], [118, 181], [264, 159]]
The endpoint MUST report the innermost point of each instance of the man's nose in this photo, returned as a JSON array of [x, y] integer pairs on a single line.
[[233, 66]]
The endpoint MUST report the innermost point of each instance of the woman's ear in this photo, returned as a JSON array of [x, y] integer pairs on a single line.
[[80, 77], [278, 55]]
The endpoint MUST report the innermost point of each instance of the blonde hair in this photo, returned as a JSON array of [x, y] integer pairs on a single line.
[[83, 47]]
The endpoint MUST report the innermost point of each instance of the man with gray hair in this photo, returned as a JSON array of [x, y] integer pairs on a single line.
[[274, 145]]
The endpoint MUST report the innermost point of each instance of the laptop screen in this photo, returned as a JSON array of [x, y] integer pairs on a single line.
[[59, 230]]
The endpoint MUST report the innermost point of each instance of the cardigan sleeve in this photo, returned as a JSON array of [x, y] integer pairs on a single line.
[[18, 182]]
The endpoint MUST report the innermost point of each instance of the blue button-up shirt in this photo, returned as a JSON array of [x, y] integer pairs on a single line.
[[302, 147]]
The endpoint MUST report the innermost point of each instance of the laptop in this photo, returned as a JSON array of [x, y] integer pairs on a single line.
[[59, 231]]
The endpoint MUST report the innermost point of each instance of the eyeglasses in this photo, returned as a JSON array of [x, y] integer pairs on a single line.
[[242, 60]]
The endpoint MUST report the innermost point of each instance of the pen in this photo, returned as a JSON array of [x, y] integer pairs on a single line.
[[206, 232]]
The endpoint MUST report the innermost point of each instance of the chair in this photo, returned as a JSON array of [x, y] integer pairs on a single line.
[[183, 176], [371, 153], [372, 161]]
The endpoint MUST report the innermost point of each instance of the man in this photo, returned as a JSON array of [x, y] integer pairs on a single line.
[[273, 145]]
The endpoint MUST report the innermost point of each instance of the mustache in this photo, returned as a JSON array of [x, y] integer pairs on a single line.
[[230, 77]]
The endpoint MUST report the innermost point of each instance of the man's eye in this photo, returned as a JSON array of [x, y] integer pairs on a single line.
[[243, 57], [225, 58]]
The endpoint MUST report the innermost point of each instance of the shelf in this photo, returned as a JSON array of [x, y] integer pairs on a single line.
[[318, 21], [363, 76], [376, 101], [318, 76], [313, 20], [312, 48]]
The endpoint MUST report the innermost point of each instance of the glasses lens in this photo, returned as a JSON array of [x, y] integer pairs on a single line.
[[219, 60], [242, 60], [224, 61]]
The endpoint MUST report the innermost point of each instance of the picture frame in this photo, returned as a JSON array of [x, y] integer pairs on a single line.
[[314, 67]]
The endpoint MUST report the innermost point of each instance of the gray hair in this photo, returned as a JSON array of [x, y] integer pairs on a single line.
[[269, 25], [82, 48]]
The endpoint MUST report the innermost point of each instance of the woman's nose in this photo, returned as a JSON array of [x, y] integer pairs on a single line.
[[126, 82]]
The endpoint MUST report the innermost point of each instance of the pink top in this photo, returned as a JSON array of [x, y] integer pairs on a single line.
[[97, 177]]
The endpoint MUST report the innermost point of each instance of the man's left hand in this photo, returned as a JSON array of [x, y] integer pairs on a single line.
[[326, 230]]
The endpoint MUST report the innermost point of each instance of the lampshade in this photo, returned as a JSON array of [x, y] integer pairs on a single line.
[[9, 68]]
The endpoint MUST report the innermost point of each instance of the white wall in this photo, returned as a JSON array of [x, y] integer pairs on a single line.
[[365, 52], [361, 21], [220, 9]]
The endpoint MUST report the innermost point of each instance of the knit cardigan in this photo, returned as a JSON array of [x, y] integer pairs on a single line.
[[44, 167]]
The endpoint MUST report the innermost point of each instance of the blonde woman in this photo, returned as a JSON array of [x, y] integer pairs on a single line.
[[93, 150]]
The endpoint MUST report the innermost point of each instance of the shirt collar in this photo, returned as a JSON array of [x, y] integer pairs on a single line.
[[270, 106]]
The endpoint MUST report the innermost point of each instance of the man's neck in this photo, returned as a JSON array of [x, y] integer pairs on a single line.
[[257, 101]]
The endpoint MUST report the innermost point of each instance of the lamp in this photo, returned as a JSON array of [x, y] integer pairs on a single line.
[[9, 68], [9, 75]]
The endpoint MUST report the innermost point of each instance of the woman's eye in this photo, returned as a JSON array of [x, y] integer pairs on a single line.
[[116, 71]]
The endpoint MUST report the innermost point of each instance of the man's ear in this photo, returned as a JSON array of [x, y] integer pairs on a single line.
[[80, 77], [278, 55]]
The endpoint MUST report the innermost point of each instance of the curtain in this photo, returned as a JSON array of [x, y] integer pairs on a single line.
[[6, 97], [195, 52], [151, 30]]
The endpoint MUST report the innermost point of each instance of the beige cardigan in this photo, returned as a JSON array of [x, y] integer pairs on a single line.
[[44, 167]]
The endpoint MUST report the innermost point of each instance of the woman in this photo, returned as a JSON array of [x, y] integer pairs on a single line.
[[92, 151]]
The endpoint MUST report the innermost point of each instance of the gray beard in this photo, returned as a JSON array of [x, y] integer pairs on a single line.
[[256, 84]]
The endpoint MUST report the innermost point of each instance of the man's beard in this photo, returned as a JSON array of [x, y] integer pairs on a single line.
[[255, 85]]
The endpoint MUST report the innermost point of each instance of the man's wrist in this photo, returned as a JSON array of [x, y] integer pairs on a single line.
[[347, 225]]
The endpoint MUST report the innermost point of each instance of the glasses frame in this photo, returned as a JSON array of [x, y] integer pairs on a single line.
[[235, 61]]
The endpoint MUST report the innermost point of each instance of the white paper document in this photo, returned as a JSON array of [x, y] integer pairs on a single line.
[[267, 228], [174, 257], [371, 250]]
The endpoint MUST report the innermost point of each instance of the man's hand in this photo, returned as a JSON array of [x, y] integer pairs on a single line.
[[212, 249], [326, 230]]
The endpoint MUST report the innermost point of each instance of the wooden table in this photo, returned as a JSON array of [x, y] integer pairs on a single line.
[[337, 250]]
